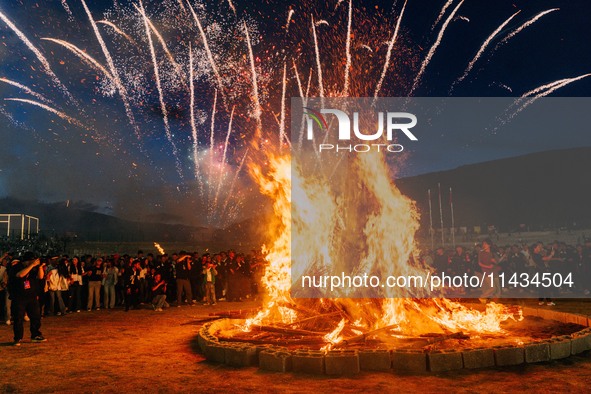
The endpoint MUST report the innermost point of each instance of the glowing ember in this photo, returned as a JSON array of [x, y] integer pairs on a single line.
[[159, 248]]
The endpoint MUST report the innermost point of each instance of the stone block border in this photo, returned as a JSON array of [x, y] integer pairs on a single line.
[[348, 362]]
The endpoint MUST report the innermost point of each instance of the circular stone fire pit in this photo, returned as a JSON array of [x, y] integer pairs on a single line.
[[556, 335]]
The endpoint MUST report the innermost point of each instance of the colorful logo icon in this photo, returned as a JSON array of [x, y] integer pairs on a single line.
[[317, 117]]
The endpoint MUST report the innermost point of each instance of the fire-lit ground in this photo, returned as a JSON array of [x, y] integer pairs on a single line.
[[157, 352]]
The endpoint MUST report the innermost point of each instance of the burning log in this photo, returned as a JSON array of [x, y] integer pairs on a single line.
[[234, 313], [309, 319], [362, 337], [288, 331]]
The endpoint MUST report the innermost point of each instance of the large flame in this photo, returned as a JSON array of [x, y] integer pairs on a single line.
[[307, 205]]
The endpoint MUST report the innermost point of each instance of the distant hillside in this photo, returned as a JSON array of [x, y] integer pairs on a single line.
[[541, 190], [57, 219]]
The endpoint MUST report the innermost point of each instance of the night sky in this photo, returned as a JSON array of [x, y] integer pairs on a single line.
[[137, 172]]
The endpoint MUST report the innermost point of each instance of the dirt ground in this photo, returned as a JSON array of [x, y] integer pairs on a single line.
[[147, 351]]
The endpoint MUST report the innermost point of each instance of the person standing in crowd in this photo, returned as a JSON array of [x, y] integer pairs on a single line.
[[4, 307], [196, 278], [256, 268], [87, 264], [488, 265], [119, 288], [237, 278], [159, 293], [209, 274], [221, 282], [232, 278], [55, 284], [143, 280], [76, 274], [541, 260], [516, 260], [95, 278], [131, 285], [440, 262], [5, 302], [166, 269], [183, 267], [110, 273], [43, 293], [25, 277]]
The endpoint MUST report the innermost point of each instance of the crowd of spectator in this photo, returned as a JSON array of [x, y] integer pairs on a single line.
[[72, 284], [556, 257]]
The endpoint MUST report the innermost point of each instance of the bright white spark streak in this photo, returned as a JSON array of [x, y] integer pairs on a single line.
[[389, 53], [82, 55], [433, 48], [348, 50], [120, 87], [160, 92], [46, 67], [483, 48], [26, 89]]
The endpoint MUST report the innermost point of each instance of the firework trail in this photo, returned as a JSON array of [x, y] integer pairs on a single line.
[[298, 80], [348, 49], [211, 134], [440, 16], [193, 125], [434, 48], [525, 26], [211, 146], [305, 102], [541, 88], [222, 165], [82, 55], [159, 248], [233, 184], [318, 65], [50, 109], [255, 88], [46, 67], [208, 51], [482, 49], [17, 123], [67, 8], [530, 97], [289, 15], [26, 89], [147, 20], [161, 93], [568, 81], [118, 31], [282, 120], [180, 3], [309, 84], [502, 85], [546, 89], [389, 53], [116, 80], [232, 6]]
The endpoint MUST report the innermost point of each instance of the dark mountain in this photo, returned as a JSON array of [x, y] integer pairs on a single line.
[[59, 219], [544, 190]]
